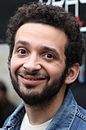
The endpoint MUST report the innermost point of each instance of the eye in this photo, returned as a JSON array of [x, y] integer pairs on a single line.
[[22, 51], [48, 56]]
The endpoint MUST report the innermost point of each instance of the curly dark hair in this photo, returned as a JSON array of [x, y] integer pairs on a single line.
[[54, 16]]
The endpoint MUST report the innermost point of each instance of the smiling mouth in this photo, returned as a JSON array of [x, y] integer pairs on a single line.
[[32, 78], [30, 81]]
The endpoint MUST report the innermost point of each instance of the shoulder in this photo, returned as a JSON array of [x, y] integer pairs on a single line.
[[16, 117], [79, 122], [81, 113]]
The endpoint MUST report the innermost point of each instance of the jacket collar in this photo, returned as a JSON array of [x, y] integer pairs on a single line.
[[64, 117], [16, 117]]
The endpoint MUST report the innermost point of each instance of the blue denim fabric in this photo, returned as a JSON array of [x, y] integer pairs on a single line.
[[69, 117]]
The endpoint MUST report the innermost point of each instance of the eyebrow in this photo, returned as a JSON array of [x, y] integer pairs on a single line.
[[49, 49], [22, 42]]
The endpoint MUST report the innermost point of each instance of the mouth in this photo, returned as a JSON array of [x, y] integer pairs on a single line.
[[31, 80]]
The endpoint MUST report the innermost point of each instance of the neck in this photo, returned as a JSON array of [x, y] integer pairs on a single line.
[[39, 114]]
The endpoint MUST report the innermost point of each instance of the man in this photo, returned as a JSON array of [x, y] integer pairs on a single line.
[[46, 50]]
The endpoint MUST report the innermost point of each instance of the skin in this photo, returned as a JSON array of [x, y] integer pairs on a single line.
[[30, 54]]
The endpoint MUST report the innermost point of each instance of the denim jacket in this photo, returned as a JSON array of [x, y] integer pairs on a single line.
[[69, 117]]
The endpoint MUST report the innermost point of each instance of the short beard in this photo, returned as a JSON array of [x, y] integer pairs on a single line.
[[47, 95]]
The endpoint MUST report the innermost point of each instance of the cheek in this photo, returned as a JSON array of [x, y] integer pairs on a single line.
[[14, 65], [13, 68], [55, 72]]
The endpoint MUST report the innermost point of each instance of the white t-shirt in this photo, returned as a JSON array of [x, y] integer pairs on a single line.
[[27, 126]]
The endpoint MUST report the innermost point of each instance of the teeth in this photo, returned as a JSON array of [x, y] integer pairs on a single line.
[[34, 78], [30, 77]]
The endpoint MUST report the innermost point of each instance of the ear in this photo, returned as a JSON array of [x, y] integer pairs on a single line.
[[72, 74]]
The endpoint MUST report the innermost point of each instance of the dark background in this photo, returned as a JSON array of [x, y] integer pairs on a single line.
[[8, 7]]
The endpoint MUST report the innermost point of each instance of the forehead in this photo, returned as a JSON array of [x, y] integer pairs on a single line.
[[37, 33]]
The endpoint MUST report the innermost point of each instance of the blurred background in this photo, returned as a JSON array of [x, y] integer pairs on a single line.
[[7, 9]]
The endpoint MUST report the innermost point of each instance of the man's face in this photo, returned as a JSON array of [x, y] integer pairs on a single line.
[[38, 62]]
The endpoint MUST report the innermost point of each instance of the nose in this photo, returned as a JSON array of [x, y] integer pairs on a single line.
[[32, 63]]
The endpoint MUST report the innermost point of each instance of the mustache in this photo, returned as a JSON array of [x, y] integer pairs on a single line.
[[31, 75]]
